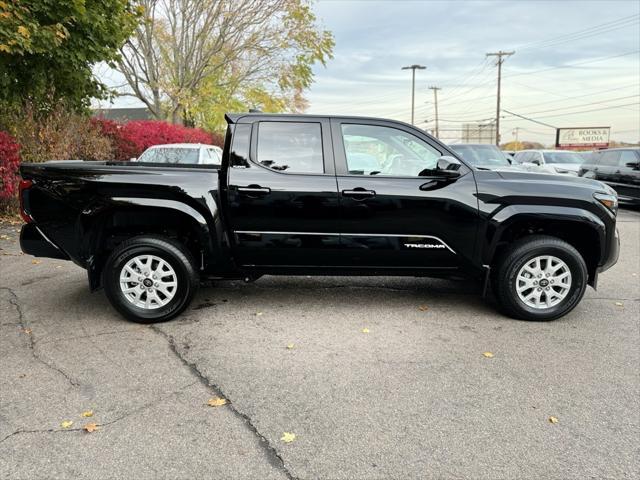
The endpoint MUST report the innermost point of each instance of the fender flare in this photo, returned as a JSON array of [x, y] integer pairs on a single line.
[[504, 218], [89, 230]]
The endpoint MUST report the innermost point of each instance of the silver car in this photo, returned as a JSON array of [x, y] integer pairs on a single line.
[[182, 153], [552, 161]]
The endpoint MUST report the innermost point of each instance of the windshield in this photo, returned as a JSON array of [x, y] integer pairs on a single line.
[[563, 157], [170, 155], [482, 155]]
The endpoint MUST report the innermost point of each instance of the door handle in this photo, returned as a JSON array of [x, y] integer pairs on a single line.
[[359, 193], [254, 190]]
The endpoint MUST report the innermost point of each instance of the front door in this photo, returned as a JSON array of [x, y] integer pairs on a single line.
[[394, 214], [282, 200]]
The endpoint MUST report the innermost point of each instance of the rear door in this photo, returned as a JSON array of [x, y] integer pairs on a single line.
[[394, 216], [282, 199], [626, 178], [607, 164]]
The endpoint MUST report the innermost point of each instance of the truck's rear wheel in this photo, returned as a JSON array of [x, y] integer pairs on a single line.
[[150, 279], [540, 278]]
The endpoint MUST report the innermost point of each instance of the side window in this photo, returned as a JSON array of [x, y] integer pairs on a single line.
[[377, 150], [609, 158], [290, 147], [518, 158], [626, 157], [211, 156]]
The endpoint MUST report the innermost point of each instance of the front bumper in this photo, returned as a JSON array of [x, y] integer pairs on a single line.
[[614, 253], [34, 242]]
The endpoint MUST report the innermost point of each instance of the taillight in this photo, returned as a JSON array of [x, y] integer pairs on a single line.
[[22, 187]]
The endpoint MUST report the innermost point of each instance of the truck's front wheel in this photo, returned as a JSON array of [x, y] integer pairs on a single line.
[[540, 278], [150, 279]]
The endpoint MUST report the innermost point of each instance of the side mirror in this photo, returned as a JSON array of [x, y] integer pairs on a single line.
[[633, 165], [133, 159], [448, 164], [536, 162]]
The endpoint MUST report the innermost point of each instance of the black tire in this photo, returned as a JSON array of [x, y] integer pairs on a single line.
[[520, 253], [174, 254]]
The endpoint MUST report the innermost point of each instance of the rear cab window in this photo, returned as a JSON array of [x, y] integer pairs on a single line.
[[290, 147]]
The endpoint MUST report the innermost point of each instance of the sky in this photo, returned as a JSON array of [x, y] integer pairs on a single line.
[[570, 57], [597, 44]]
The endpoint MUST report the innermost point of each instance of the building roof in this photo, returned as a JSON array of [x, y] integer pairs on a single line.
[[123, 114]]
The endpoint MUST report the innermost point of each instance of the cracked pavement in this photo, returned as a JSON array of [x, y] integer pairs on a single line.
[[413, 398]]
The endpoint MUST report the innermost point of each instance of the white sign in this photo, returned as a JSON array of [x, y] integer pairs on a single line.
[[583, 137]]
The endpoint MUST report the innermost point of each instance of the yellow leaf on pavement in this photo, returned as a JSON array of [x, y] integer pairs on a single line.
[[258, 314], [365, 330], [619, 304], [27, 331], [423, 308], [291, 346], [91, 427], [217, 402], [553, 420], [488, 354], [88, 413], [66, 423], [36, 262], [288, 437]]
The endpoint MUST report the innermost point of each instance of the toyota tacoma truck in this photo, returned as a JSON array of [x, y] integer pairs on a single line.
[[320, 195]]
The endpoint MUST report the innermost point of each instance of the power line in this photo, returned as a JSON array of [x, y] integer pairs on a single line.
[[570, 65], [584, 33]]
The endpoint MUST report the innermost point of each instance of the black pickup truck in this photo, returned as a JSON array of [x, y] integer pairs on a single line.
[[320, 195]]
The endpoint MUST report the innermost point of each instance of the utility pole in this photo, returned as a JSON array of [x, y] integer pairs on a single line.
[[413, 69], [435, 101], [515, 132], [499, 63]]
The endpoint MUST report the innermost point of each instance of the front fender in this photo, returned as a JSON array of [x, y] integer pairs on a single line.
[[506, 217]]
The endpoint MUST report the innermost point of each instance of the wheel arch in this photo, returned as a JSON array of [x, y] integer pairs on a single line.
[[582, 229], [102, 228]]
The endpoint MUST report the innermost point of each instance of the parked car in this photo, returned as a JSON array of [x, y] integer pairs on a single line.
[[553, 161], [482, 155], [183, 153], [320, 195], [619, 168]]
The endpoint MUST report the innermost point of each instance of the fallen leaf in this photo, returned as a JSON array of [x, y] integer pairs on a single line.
[[488, 354], [5, 237], [27, 331], [217, 402], [88, 413], [619, 304], [36, 262], [553, 420], [258, 314], [22, 375], [58, 266], [290, 346], [365, 330], [423, 308], [66, 423], [288, 437], [91, 427]]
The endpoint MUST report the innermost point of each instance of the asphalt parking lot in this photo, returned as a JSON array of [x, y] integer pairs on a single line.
[[376, 377]]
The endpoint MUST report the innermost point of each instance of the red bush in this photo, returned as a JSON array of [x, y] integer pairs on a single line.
[[9, 163], [132, 138]]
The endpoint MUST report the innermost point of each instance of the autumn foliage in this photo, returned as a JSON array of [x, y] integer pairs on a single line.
[[9, 163], [130, 139]]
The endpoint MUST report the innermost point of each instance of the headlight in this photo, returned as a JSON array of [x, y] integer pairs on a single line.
[[609, 200]]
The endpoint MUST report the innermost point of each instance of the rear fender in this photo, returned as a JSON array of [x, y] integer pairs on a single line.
[[93, 221]]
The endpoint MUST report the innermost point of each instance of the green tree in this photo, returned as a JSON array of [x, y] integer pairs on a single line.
[[192, 60], [48, 48]]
